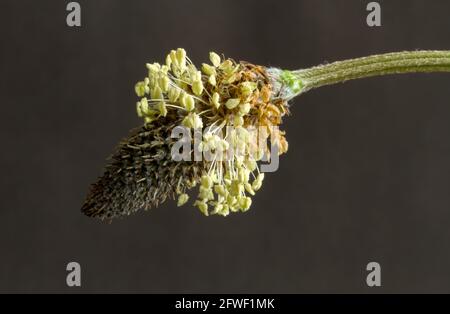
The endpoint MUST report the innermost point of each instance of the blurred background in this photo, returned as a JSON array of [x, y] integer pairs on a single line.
[[366, 177]]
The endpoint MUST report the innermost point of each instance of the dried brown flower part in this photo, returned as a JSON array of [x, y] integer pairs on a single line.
[[268, 108]]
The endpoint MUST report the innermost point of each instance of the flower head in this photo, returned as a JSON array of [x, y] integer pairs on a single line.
[[234, 103], [222, 94]]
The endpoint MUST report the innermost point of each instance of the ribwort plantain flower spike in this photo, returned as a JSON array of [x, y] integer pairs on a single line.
[[235, 103]]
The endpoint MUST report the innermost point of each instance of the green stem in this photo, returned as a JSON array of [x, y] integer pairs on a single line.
[[301, 81]]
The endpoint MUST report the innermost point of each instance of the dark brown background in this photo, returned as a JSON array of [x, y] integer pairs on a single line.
[[366, 178]]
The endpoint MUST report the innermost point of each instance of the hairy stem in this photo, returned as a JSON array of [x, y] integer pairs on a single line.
[[301, 81]]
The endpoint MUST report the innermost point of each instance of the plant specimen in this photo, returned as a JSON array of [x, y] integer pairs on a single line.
[[234, 103]]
